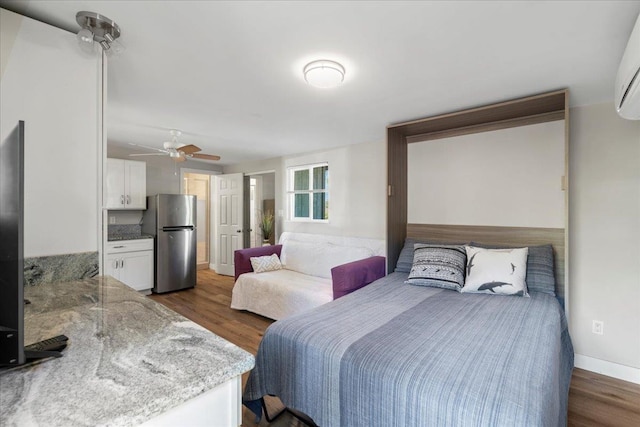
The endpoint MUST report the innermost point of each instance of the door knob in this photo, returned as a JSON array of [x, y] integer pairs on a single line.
[[239, 231]]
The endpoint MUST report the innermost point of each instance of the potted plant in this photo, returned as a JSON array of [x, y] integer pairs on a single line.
[[266, 226]]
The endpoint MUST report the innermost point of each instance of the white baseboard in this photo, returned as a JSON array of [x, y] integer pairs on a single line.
[[610, 369]]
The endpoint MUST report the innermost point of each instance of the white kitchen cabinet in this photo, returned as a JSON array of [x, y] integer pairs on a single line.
[[131, 262], [126, 184]]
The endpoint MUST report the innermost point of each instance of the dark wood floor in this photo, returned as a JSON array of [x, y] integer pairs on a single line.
[[594, 400]]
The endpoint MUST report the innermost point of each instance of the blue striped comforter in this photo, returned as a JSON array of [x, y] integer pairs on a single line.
[[393, 354]]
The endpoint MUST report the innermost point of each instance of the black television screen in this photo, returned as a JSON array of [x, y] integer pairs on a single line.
[[11, 248]]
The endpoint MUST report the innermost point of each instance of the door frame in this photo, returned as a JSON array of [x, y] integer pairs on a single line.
[[276, 214], [211, 173], [255, 225]]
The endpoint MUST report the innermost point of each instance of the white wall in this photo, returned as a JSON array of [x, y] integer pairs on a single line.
[[357, 191], [508, 177], [55, 89], [9, 27], [268, 186], [124, 217], [604, 235]]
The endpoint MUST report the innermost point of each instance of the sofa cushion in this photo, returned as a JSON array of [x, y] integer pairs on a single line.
[[317, 259], [281, 293]]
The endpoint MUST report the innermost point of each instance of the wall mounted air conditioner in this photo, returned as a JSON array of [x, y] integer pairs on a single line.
[[628, 79]]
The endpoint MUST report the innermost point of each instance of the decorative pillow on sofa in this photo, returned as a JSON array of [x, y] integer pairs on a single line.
[[496, 271], [439, 266], [260, 264], [540, 272]]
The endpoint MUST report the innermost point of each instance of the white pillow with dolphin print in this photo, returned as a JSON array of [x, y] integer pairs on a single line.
[[496, 271]]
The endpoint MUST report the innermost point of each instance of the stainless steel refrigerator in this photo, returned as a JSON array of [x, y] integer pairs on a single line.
[[171, 219]]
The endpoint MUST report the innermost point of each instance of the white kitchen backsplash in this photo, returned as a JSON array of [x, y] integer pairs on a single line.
[[124, 217]]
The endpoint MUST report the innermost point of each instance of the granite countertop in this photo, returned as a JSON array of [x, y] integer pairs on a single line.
[[117, 237], [118, 232], [128, 360]]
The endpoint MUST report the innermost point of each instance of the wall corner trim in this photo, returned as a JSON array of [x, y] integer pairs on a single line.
[[610, 369]]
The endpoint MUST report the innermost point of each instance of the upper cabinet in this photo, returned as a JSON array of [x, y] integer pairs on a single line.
[[126, 184]]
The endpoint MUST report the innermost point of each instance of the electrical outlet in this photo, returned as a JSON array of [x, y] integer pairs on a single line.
[[598, 327], [112, 220]]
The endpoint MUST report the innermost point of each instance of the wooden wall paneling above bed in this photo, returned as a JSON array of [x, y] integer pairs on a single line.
[[540, 108]]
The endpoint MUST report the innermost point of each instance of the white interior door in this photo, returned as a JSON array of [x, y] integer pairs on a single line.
[[229, 232]]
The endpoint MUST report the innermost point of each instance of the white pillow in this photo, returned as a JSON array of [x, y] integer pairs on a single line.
[[496, 271], [260, 264], [318, 258]]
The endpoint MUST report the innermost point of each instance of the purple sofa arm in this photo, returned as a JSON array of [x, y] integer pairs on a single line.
[[357, 274], [241, 257]]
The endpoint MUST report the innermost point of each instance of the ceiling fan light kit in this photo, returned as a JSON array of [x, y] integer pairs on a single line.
[[176, 151]]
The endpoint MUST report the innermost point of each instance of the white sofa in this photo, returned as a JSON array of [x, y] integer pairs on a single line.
[[306, 279]]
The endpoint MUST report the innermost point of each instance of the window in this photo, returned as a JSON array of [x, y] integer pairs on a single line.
[[308, 189]]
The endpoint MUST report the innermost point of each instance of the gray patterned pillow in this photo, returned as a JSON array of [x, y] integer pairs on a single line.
[[439, 266], [405, 259]]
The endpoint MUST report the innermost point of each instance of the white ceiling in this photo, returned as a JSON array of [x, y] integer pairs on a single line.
[[229, 73]]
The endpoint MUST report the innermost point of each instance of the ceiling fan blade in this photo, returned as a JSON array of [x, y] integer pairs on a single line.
[[189, 149], [179, 159], [205, 156], [150, 148], [147, 154]]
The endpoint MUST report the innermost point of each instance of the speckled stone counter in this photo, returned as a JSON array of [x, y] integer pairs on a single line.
[[115, 238], [60, 268], [129, 358], [126, 232]]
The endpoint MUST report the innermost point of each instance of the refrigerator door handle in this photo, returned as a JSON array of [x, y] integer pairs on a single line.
[[186, 228]]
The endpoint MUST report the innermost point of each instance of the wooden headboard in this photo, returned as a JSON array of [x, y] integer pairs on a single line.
[[519, 112], [497, 236]]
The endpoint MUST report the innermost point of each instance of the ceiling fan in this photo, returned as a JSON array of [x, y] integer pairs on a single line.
[[175, 150]]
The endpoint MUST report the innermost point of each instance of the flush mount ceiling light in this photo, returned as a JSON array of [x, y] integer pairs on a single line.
[[99, 28], [323, 73]]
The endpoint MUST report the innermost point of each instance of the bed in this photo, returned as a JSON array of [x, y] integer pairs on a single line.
[[393, 354]]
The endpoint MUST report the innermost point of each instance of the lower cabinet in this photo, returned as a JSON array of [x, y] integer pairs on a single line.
[[131, 262], [221, 407]]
